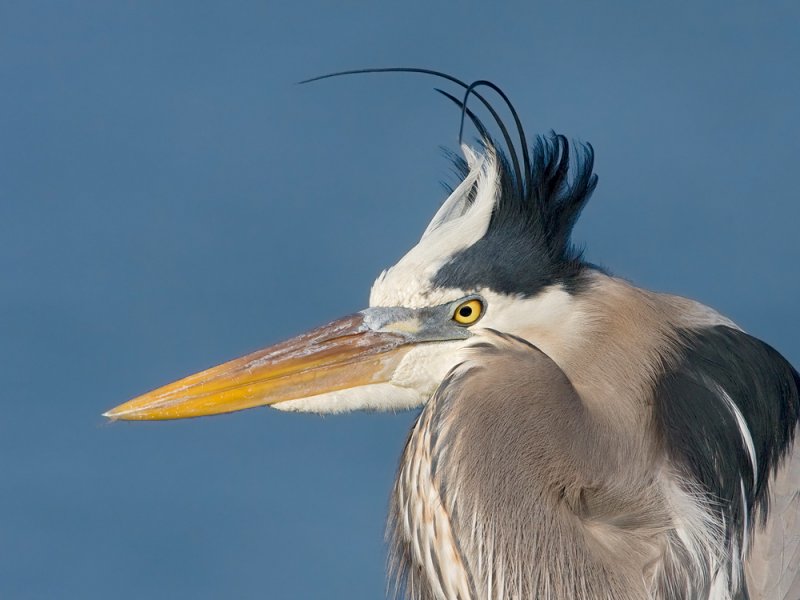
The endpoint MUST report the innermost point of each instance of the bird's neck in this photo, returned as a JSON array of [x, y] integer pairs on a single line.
[[615, 343], [467, 524]]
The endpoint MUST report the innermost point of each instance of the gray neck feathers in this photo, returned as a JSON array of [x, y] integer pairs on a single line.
[[513, 485]]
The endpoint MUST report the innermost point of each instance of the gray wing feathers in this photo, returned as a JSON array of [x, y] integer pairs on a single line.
[[773, 568]]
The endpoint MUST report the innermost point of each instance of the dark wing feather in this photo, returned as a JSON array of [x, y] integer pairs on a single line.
[[722, 371]]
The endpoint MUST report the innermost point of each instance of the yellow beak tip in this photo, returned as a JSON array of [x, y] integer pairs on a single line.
[[121, 413], [113, 415]]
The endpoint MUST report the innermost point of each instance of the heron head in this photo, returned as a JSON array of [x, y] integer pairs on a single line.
[[497, 255]]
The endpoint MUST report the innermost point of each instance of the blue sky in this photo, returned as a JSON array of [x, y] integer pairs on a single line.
[[169, 199]]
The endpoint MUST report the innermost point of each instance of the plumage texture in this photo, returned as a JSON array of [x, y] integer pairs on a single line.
[[773, 568], [723, 377], [634, 461], [539, 495], [536, 495], [527, 246]]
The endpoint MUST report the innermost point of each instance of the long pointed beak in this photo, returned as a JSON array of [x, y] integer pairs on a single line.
[[343, 354]]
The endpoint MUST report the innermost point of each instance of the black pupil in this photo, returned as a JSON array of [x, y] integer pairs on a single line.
[[465, 311]]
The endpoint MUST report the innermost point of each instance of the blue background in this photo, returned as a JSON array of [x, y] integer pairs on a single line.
[[170, 199]]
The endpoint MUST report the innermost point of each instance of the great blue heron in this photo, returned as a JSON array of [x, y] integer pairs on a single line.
[[579, 438]]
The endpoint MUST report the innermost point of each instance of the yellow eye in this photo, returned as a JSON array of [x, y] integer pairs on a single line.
[[468, 312]]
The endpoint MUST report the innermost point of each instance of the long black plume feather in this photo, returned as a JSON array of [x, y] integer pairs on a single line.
[[520, 181]]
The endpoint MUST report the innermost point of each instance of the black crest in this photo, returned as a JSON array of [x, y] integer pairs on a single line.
[[527, 244]]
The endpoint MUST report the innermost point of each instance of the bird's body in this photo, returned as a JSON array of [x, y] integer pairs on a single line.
[[580, 438], [589, 504]]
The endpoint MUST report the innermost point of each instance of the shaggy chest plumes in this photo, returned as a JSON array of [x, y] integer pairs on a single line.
[[426, 553]]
